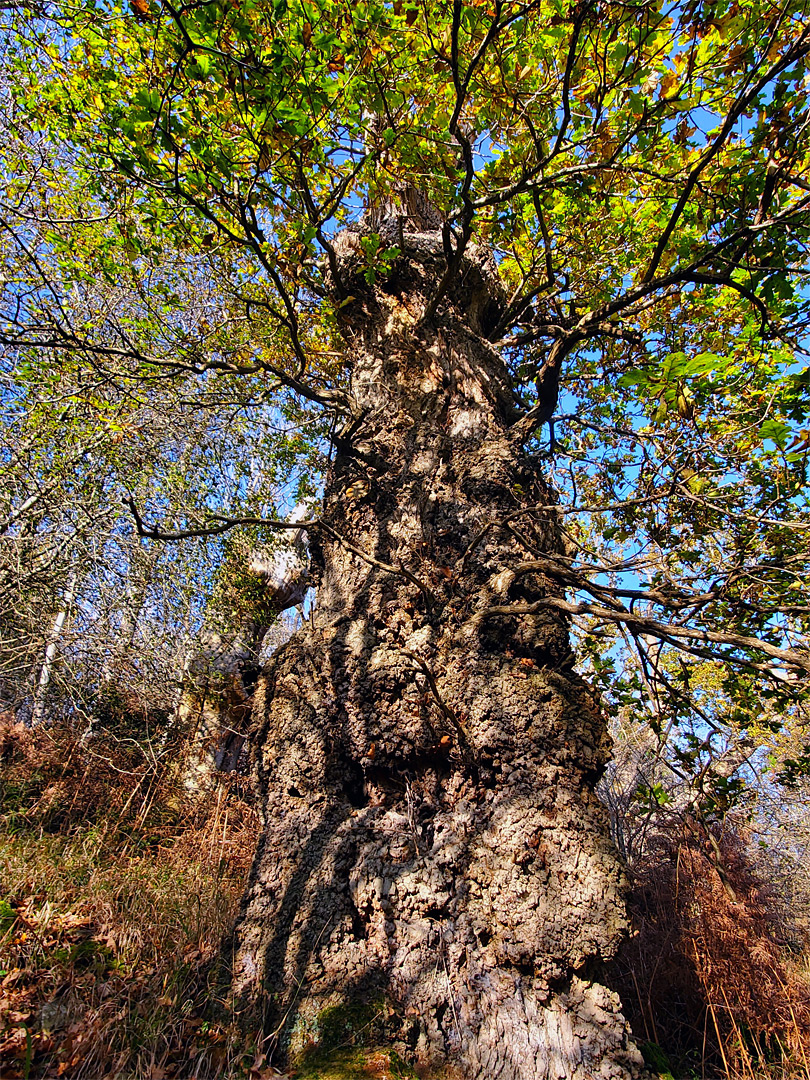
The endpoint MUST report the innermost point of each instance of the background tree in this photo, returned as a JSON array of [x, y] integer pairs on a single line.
[[612, 194], [116, 615]]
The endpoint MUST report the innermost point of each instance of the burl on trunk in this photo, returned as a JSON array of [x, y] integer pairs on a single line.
[[431, 837]]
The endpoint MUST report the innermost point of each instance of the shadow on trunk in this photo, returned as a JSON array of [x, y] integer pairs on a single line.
[[425, 760]]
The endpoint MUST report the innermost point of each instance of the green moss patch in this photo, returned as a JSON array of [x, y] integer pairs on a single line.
[[354, 1064]]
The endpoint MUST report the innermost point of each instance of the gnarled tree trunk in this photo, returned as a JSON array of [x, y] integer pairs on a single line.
[[215, 703], [431, 834], [220, 673]]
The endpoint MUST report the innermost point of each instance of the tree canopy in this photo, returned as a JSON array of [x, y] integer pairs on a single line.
[[175, 183]]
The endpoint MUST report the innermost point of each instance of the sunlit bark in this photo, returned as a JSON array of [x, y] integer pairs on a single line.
[[431, 837]]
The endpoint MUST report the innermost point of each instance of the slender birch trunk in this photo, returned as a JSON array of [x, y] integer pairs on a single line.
[[51, 650]]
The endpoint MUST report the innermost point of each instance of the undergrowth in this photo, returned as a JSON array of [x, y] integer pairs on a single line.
[[713, 982], [118, 890]]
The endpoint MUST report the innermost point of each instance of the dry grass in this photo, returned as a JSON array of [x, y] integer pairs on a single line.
[[709, 976], [116, 896]]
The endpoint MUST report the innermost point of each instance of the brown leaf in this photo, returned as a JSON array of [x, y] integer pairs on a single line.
[[668, 84]]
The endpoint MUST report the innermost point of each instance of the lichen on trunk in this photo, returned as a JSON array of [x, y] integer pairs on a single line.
[[431, 837]]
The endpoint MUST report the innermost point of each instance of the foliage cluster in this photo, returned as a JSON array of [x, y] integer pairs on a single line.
[[174, 185]]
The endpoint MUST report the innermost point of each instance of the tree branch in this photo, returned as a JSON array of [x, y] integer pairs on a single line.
[[790, 657]]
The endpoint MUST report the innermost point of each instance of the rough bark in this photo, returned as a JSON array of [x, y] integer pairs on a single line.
[[215, 703], [220, 674], [431, 834]]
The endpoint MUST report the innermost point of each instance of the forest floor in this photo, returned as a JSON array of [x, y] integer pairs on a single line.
[[117, 895], [118, 890]]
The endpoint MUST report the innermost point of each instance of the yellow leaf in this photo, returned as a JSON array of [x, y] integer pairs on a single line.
[[668, 84]]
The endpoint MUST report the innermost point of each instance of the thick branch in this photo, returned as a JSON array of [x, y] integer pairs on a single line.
[[790, 657]]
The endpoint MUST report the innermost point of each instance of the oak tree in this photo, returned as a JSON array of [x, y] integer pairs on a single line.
[[534, 272]]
